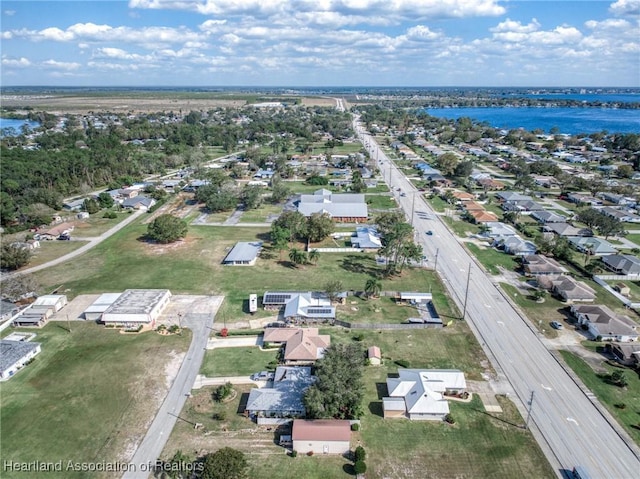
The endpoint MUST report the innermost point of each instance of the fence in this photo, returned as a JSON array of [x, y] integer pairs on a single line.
[[346, 324], [600, 279], [337, 250]]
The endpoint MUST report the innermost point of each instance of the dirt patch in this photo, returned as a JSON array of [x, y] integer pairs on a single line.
[[159, 249], [172, 367]]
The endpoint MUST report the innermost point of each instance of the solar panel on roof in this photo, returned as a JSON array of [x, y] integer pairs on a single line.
[[319, 311], [276, 298]]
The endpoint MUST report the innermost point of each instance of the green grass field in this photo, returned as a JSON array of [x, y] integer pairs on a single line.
[[261, 214], [611, 395], [492, 259], [236, 361], [381, 202], [87, 396]]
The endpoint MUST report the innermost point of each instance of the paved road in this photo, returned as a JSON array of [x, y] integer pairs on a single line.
[[91, 244], [568, 426], [199, 321]]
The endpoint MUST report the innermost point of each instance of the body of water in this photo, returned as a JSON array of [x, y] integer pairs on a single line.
[[572, 121], [7, 125]]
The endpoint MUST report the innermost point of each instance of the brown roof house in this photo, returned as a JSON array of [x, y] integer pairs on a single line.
[[567, 289], [540, 265], [302, 345], [321, 436]]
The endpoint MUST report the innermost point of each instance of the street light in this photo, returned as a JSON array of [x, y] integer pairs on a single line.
[[466, 293]]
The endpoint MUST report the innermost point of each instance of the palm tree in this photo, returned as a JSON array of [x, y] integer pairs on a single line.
[[372, 287], [314, 255], [297, 256]]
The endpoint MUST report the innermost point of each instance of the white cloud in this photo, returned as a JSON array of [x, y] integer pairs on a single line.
[[625, 7], [9, 13], [514, 26], [117, 53], [61, 65], [420, 32], [16, 62]]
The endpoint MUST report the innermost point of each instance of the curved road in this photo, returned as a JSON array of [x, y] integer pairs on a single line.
[[569, 427]]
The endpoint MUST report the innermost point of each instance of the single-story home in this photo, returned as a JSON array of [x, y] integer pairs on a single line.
[[566, 230], [497, 228], [341, 207], [55, 231], [300, 306], [622, 215], [138, 203], [482, 216], [366, 238], [567, 289], [302, 345], [622, 263], [420, 394], [243, 253], [515, 245], [545, 217], [136, 307], [593, 246], [625, 353], [540, 265], [8, 309], [321, 436], [603, 323], [282, 401], [14, 355]]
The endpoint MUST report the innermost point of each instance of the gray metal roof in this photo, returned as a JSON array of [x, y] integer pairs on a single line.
[[13, 351], [243, 251]]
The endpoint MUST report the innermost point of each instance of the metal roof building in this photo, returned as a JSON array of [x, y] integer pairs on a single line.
[[137, 307], [243, 254], [14, 355], [341, 207]]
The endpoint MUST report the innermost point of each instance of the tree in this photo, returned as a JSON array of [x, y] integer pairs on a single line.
[[167, 229], [14, 257], [357, 183], [294, 222], [279, 190], [178, 467], [91, 206], [360, 467], [338, 390], [105, 200], [525, 183], [372, 288], [225, 463], [314, 255], [360, 454], [279, 238], [251, 196], [319, 226], [317, 180], [397, 241], [297, 256], [332, 288], [17, 287], [619, 379], [447, 163]]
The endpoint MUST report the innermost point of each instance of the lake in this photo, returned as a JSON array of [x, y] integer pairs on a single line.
[[16, 125], [571, 121]]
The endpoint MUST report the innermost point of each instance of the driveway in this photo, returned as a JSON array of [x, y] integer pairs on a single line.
[[241, 342]]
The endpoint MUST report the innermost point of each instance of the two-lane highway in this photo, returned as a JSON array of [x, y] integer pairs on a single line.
[[570, 428]]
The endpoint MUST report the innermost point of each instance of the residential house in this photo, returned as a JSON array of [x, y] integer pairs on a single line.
[[604, 324], [75, 205], [566, 230], [545, 217], [491, 184], [618, 199], [498, 229], [524, 207], [463, 196], [14, 355], [8, 310], [625, 353], [138, 203], [567, 289], [321, 436], [540, 265], [366, 238], [625, 264], [592, 246], [515, 245], [301, 345], [56, 231], [580, 198], [127, 193], [283, 399], [545, 181], [300, 306], [512, 197], [374, 356], [341, 207], [420, 394], [621, 215], [482, 216], [243, 253]]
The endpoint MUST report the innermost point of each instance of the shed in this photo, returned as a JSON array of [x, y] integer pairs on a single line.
[[622, 289], [322, 436], [56, 301], [243, 253], [374, 355]]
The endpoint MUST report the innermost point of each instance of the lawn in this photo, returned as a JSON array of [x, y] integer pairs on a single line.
[[634, 238], [493, 259], [611, 395], [460, 227], [95, 225], [381, 202], [539, 314], [87, 396], [262, 214], [50, 250], [236, 361], [438, 204]]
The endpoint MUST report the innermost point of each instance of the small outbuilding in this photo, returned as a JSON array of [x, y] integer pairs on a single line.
[[244, 253], [321, 436], [374, 355]]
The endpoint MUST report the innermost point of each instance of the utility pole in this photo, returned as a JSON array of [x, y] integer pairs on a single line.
[[435, 266], [413, 205], [466, 294], [526, 425]]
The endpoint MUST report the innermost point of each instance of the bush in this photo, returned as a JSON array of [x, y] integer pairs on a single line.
[[360, 454], [358, 337], [355, 426], [449, 419], [222, 392], [111, 215], [360, 467], [294, 453], [310, 453], [620, 405]]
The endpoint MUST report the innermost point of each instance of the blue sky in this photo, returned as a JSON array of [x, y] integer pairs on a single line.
[[321, 43]]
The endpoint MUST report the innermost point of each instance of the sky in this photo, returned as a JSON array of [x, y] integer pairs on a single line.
[[301, 43]]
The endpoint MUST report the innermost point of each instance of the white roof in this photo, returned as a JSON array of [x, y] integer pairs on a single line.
[[49, 299]]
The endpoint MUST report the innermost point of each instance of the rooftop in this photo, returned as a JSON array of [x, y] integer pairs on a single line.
[[137, 301], [13, 351]]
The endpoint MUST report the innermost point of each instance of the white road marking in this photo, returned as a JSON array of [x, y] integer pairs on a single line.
[[546, 388], [500, 323], [487, 306], [570, 419]]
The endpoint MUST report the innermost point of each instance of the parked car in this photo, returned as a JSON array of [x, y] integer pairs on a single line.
[[429, 233], [262, 376], [556, 325], [64, 237]]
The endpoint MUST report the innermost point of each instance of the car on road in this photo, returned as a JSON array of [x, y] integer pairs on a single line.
[[64, 238], [429, 233], [403, 194], [556, 325]]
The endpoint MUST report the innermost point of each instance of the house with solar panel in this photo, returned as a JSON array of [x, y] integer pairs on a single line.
[[244, 253], [341, 207], [300, 306]]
